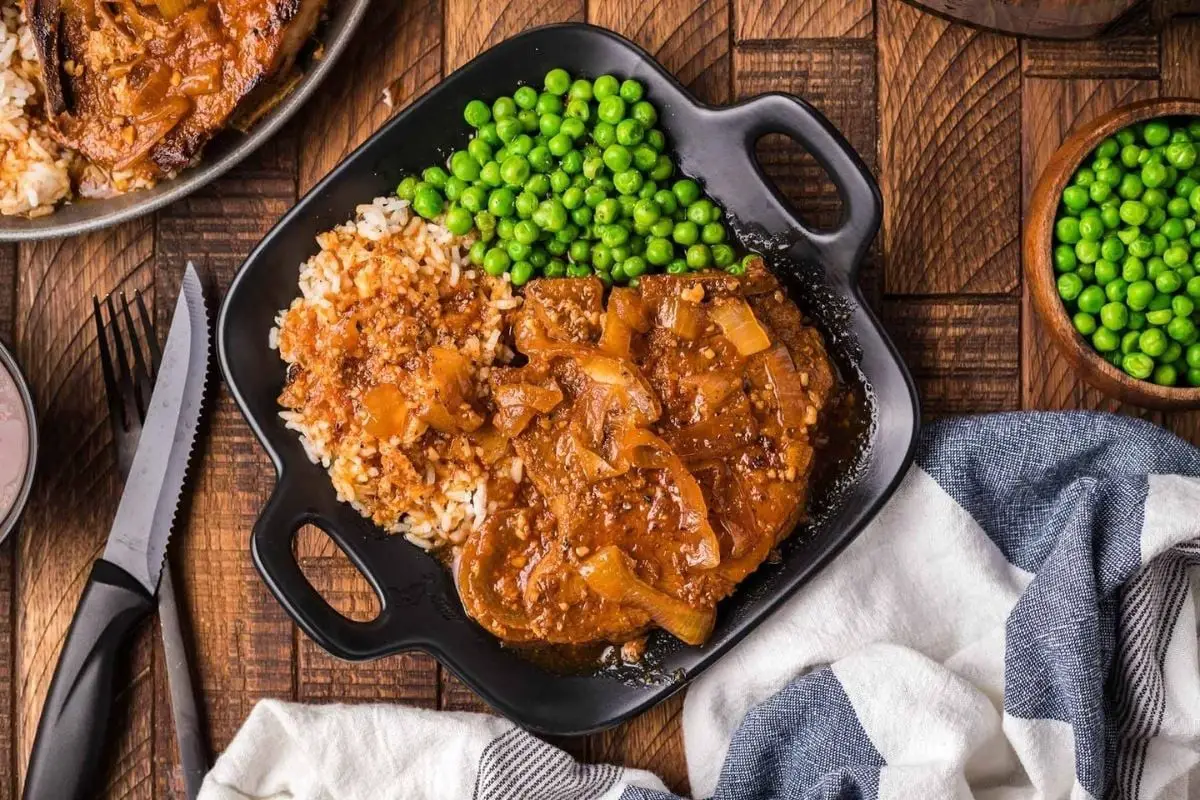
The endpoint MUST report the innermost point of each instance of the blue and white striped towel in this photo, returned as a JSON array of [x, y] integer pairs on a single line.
[[1019, 622]]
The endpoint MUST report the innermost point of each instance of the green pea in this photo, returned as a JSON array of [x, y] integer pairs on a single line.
[[1181, 329], [1181, 155], [508, 129], [712, 233], [1099, 192], [407, 188], [1069, 286], [518, 251], [722, 255], [1075, 198], [608, 211], [686, 233], [1168, 282], [1105, 340], [496, 262], [1085, 272], [630, 132], [1138, 365], [529, 120], [1134, 212], [548, 103], [698, 256], [1137, 320], [1091, 229], [1160, 302], [633, 266], [1165, 375], [1087, 252], [579, 251], [1185, 185], [1173, 228], [1139, 295], [1130, 154], [1156, 133], [611, 109], [477, 114], [514, 171], [1110, 175], [656, 139], [666, 201], [428, 202], [1142, 247], [614, 235], [605, 86], [557, 81], [500, 202], [1159, 316], [458, 220], [663, 168], [504, 108], [559, 181], [1066, 230], [687, 191], [1129, 342], [454, 187], [1154, 175], [646, 213], [677, 267], [1194, 199], [1084, 322], [1131, 187], [631, 91], [579, 109], [582, 217], [659, 251], [644, 157], [525, 204], [1114, 316], [1104, 271], [1090, 299], [1152, 342], [628, 182], [1133, 269]]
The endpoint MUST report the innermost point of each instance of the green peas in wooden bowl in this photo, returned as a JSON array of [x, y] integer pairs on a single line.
[[1112, 252]]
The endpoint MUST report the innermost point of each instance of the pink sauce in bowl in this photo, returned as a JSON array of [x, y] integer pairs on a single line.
[[18, 444]]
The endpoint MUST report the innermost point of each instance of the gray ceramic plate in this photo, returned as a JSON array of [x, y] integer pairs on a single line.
[[223, 152]]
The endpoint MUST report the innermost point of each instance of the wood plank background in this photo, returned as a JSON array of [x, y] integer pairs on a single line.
[[956, 123]]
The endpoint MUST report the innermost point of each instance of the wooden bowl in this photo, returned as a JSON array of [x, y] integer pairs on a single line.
[[1039, 266]]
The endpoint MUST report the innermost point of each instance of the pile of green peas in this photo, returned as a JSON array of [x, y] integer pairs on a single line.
[[1128, 250], [572, 181]]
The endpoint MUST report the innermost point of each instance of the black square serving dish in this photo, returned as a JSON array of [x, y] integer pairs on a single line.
[[420, 608]]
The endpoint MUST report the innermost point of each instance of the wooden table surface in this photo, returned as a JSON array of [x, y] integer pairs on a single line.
[[957, 124]]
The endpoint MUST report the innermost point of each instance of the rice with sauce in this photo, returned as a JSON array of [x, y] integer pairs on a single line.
[[35, 171], [389, 308]]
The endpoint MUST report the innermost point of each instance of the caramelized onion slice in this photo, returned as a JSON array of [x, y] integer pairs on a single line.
[[791, 398], [740, 326], [636, 399], [682, 317], [712, 388], [608, 573], [626, 313]]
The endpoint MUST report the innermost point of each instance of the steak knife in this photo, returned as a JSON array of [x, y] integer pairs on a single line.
[[120, 591]]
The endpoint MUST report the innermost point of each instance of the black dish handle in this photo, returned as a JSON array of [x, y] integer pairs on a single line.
[[845, 246], [271, 546], [71, 732]]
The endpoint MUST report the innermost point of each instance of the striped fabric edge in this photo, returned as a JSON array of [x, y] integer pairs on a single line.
[[518, 766], [1149, 609]]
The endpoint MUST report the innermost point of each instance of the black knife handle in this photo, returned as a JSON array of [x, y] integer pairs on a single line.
[[72, 731]]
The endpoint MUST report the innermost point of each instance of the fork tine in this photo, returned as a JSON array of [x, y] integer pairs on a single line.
[[141, 379], [124, 376], [149, 334], [116, 412]]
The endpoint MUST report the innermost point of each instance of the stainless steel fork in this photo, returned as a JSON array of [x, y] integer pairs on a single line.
[[128, 384]]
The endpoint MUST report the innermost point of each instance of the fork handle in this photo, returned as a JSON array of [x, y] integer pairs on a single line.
[[193, 752], [71, 733]]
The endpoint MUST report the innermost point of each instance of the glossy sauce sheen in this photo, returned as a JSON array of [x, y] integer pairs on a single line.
[[668, 438], [14, 442]]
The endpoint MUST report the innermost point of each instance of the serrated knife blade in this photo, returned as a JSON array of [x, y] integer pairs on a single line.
[[142, 528]]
